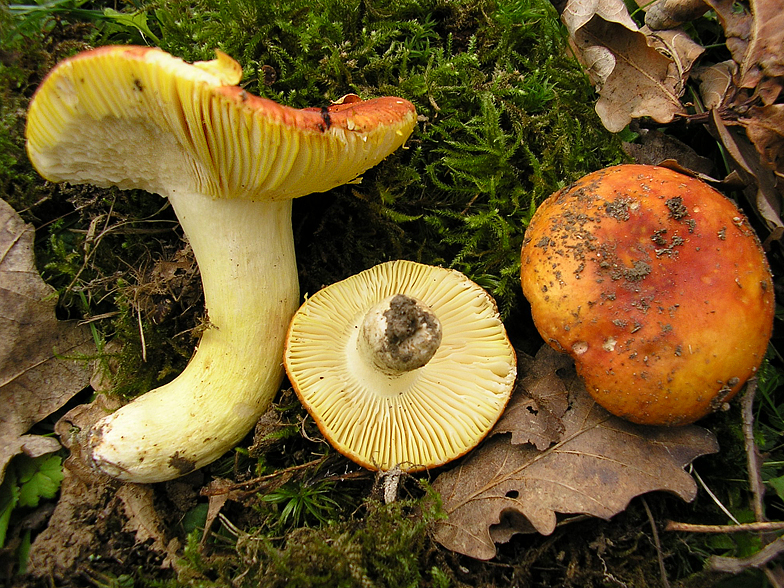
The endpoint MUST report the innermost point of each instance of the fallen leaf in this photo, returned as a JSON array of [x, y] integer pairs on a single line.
[[653, 147], [676, 45], [762, 186], [578, 13], [668, 14], [716, 83], [633, 77], [737, 25], [765, 128], [36, 379], [599, 464], [755, 37], [765, 54], [145, 521], [534, 413]]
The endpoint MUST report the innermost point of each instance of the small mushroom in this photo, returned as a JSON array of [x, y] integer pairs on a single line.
[[402, 365], [656, 285], [229, 163]]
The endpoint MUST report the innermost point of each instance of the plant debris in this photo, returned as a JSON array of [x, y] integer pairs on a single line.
[[642, 72], [595, 466], [43, 361]]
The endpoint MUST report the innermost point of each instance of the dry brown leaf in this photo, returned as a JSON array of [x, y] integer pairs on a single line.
[[35, 379], [755, 37], [578, 13], [737, 25], [765, 54], [534, 413], [715, 83], [677, 46], [762, 187], [765, 128], [145, 521], [633, 78], [653, 147], [668, 14], [599, 464]]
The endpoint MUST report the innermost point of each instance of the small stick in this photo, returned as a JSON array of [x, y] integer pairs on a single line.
[[734, 565], [657, 544], [239, 486], [758, 527], [752, 453]]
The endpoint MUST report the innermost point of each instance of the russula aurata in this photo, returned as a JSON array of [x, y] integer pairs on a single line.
[[657, 287], [229, 163], [402, 365]]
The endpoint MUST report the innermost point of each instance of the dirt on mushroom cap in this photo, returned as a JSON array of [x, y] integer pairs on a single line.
[[657, 286]]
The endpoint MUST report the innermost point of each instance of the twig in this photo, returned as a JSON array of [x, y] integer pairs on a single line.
[[758, 527], [248, 485], [775, 576], [734, 565], [657, 544], [752, 453]]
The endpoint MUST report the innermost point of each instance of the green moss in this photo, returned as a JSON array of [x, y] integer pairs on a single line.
[[506, 119], [380, 546]]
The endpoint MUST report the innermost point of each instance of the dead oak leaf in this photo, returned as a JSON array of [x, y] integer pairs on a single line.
[[600, 463], [755, 37], [737, 25], [35, 379], [716, 83], [636, 75], [534, 413], [765, 128], [763, 188]]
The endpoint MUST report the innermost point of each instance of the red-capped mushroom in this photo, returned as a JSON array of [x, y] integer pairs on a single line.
[[229, 163], [656, 285]]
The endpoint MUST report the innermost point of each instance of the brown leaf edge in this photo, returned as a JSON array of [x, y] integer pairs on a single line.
[[597, 467]]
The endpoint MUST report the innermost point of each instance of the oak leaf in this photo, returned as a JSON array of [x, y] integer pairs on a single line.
[[636, 74], [755, 38], [597, 465], [36, 379], [763, 188]]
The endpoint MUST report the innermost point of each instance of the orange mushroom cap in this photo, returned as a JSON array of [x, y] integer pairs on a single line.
[[656, 285], [229, 163]]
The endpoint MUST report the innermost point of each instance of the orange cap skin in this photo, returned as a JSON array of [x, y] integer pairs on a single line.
[[656, 285]]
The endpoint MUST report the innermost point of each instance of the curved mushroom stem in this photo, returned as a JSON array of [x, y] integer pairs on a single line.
[[399, 334], [245, 253]]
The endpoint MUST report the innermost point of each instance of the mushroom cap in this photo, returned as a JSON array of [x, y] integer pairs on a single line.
[[656, 285], [137, 117], [424, 417]]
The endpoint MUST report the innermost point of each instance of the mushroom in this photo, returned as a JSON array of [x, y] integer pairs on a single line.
[[229, 163], [656, 285], [402, 366]]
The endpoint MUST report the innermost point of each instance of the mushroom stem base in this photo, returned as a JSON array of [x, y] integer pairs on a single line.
[[245, 253]]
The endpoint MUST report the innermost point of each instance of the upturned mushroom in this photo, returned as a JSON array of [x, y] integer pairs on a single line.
[[229, 163], [656, 285], [402, 366]]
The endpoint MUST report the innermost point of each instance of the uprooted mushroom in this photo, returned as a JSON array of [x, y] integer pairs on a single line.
[[403, 365], [656, 285], [229, 163]]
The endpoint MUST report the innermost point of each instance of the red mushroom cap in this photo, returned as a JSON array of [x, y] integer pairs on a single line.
[[656, 285]]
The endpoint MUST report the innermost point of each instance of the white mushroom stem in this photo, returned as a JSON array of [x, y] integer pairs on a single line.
[[139, 118], [399, 334], [245, 253]]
